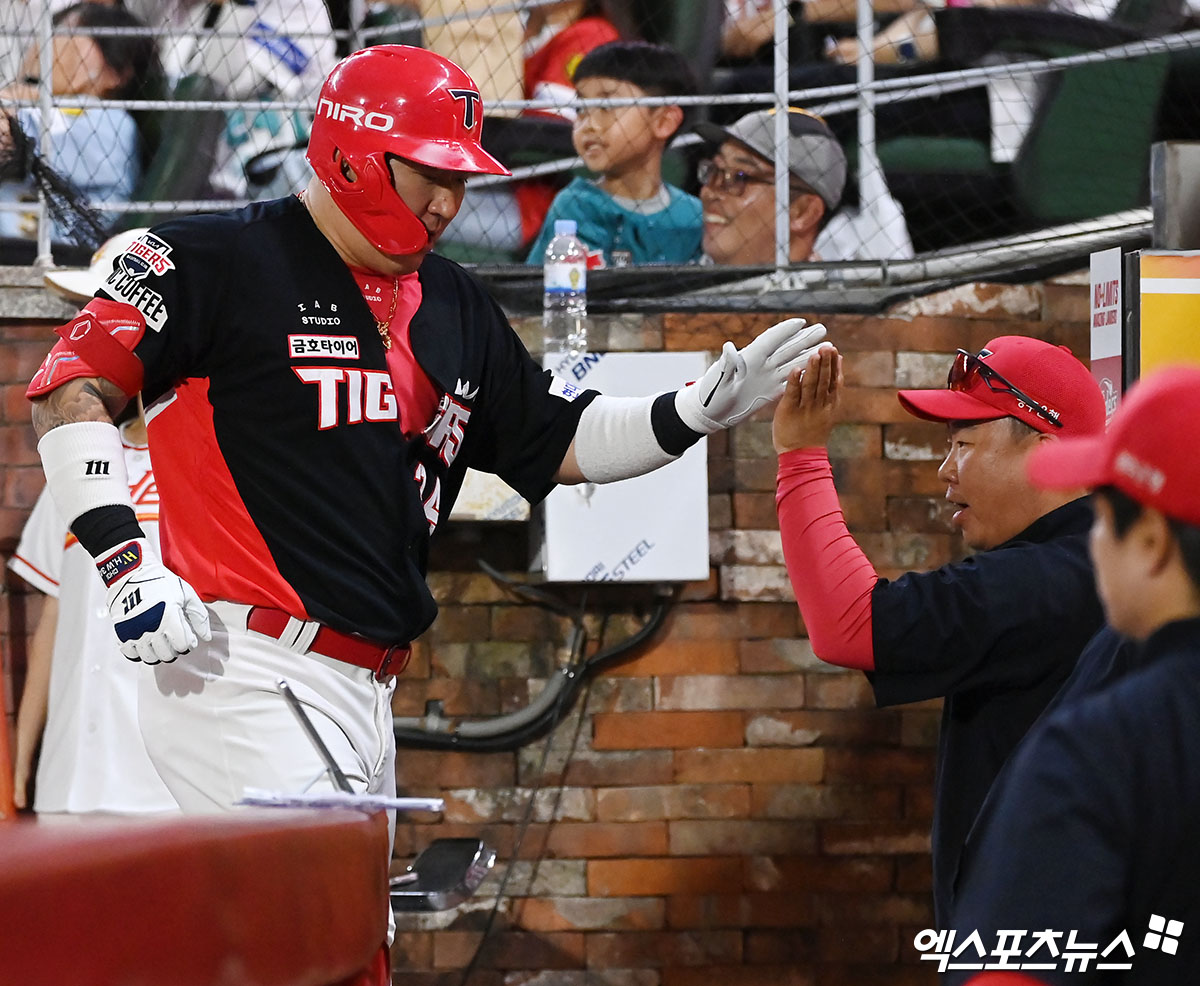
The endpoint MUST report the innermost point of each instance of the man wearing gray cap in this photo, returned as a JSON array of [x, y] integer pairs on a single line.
[[737, 192]]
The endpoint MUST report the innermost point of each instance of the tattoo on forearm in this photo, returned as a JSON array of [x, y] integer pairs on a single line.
[[91, 399]]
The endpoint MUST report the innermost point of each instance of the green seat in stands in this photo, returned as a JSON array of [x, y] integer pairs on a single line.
[[1085, 154], [180, 166]]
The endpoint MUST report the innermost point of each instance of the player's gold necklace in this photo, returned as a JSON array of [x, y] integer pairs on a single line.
[[384, 324]]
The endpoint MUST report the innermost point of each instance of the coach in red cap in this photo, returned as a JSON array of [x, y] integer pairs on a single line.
[[994, 635], [1092, 826]]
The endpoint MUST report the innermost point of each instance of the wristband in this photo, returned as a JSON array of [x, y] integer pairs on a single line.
[[102, 528], [672, 434]]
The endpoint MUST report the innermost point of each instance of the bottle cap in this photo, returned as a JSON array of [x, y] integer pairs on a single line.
[[565, 227]]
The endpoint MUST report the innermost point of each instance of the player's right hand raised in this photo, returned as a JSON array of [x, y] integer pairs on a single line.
[[156, 614]]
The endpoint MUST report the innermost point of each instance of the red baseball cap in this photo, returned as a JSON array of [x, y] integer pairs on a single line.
[[1019, 377], [1150, 452]]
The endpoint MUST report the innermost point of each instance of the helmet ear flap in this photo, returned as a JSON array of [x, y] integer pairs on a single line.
[[375, 175], [376, 208]]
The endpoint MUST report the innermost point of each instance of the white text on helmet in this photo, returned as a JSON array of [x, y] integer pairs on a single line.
[[340, 112]]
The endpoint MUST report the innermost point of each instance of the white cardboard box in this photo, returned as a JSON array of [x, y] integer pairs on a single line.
[[652, 528]]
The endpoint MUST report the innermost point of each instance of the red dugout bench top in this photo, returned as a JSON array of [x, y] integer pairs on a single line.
[[263, 897]]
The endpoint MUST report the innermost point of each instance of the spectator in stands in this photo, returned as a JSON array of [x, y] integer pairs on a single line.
[[507, 216], [748, 27], [628, 215], [748, 31], [1000, 111], [80, 698], [97, 147], [738, 195], [282, 48], [557, 36], [486, 44], [913, 35], [20, 21], [269, 49]]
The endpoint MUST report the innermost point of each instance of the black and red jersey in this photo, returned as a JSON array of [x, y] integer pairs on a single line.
[[284, 477]]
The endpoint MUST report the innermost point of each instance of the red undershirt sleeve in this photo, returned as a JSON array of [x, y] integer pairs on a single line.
[[832, 578]]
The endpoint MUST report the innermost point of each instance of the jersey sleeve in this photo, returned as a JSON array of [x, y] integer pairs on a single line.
[[529, 416], [984, 623], [39, 554], [174, 275]]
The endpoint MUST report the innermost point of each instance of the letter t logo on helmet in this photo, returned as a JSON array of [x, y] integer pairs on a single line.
[[470, 99], [394, 99]]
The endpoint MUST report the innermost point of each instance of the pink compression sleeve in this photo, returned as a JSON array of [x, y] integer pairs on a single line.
[[831, 576]]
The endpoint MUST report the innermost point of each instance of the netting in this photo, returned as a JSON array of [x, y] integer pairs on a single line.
[[945, 131]]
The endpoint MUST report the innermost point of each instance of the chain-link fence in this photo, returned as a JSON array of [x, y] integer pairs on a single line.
[[946, 129]]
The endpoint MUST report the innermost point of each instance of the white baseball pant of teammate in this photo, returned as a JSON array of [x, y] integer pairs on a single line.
[[92, 755]]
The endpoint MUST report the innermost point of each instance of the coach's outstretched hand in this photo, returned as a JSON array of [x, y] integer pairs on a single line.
[[156, 614], [741, 381]]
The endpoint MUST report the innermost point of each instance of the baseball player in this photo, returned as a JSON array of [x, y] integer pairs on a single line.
[[80, 697], [316, 383], [1090, 832]]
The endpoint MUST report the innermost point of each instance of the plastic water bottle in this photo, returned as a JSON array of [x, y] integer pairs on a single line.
[[564, 303]]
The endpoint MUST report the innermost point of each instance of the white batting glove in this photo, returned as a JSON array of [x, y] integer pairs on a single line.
[[156, 614], [741, 381]]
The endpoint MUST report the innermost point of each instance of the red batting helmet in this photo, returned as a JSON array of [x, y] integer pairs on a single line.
[[394, 99]]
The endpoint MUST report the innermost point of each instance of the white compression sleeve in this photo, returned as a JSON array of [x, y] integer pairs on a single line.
[[615, 439], [85, 468]]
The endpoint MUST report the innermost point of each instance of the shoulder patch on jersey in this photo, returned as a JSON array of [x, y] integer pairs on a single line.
[[148, 254], [563, 388], [316, 347]]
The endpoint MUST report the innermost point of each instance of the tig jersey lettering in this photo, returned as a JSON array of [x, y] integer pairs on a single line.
[[146, 255], [348, 395]]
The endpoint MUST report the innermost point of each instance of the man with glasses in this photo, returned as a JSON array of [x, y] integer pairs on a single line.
[[994, 635], [737, 192]]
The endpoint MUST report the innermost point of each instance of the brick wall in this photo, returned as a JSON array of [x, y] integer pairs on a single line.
[[723, 807]]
